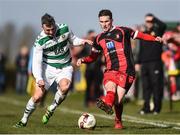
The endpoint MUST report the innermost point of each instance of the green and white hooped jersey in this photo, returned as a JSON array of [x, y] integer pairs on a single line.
[[53, 51]]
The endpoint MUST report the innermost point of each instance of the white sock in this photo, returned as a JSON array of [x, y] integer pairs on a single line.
[[30, 107], [58, 99]]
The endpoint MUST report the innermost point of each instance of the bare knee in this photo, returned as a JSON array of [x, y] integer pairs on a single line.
[[64, 85], [110, 86], [38, 94]]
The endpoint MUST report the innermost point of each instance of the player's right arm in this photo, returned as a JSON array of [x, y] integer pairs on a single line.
[[95, 51], [37, 64], [74, 40], [89, 59]]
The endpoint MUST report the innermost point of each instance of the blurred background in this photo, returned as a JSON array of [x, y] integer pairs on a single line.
[[20, 24]]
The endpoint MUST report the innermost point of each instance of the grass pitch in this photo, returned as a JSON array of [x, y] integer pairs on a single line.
[[66, 116]]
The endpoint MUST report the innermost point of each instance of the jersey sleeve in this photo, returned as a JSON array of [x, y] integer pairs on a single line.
[[30, 61], [92, 57], [74, 40], [95, 51], [130, 33], [143, 36], [37, 59]]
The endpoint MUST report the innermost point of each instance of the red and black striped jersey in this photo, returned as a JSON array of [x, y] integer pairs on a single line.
[[116, 47]]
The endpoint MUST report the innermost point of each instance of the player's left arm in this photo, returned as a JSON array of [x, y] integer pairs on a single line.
[[78, 41], [130, 33], [143, 36], [37, 60]]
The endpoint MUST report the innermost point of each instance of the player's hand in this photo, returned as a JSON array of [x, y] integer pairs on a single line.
[[137, 67], [87, 41], [41, 83], [95, 50], [159, 39], [79, 62]]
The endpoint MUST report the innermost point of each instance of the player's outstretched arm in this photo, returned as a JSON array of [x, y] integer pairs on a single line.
[[147, 37], [78, 41], [86, 41]]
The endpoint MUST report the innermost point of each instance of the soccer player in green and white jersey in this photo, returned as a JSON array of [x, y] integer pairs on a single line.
[[51, 62]]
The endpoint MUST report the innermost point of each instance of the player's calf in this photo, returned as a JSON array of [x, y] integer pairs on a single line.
[[58, 99]]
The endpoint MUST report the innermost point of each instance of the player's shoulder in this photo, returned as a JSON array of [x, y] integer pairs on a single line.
[[62, 29], [41, 39], [99, 36], [62, 25], [125, 29]]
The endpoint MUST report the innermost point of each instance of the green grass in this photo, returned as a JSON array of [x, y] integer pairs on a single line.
[[65, 121]]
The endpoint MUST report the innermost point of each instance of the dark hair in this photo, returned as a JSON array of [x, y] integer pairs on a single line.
[[149, 14], [90, 31], [105, 12], [47, 19]]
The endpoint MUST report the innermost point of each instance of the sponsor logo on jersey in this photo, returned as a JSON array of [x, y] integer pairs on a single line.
[[110, 45]]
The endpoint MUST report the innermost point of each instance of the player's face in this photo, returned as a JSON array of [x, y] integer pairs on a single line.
[[106, 23], [49, 30], [148, 23]]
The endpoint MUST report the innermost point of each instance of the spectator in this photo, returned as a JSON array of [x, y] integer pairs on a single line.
[[22, 70], [151, 65], [2, 72], [171, 58]]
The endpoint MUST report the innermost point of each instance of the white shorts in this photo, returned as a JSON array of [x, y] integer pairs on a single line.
[[51, 74]]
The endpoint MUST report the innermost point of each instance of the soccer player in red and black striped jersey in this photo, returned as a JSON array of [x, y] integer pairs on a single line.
[[114, 43]]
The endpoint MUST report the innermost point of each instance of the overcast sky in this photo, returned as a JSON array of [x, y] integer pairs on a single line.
[[81, 15]]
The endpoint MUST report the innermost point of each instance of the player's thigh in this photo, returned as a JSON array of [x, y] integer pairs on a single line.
[[64, 78], [49, 75]]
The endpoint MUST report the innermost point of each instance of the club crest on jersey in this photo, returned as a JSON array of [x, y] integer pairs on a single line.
[[63, 36], [110, 45], [117, 36]]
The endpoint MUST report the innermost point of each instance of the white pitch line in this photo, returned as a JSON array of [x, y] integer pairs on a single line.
[[127, 118], [158, 121], [66, 110]]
